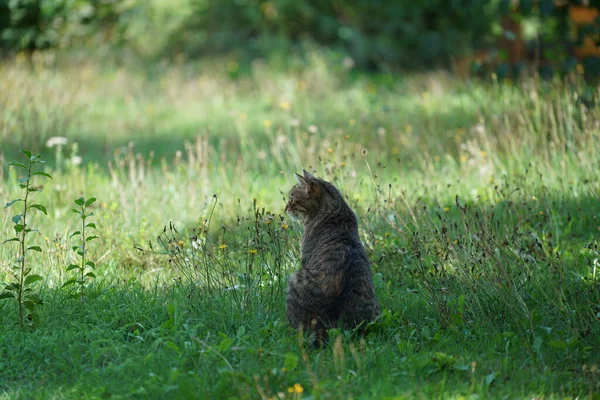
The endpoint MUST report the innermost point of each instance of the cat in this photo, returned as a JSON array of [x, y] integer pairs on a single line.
[[333, 286]]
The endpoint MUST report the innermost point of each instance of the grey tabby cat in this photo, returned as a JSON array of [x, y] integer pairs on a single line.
[[333, 287]]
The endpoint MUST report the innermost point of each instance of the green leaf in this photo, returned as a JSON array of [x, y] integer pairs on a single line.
[[32, 278], [76, 211], [17, 164], [489, 379], [34, 248], [75, 234], [19, 227], [168, 324], [11, 240], [90, 275], [35, 298], [80, 201], [69, 282], [29, 305], [290, 361], [74, 248], [72, 267], [89, 215], [6, 295], [27, 153], [47, 175], [90, 201], [39, 207], [23, 180], [17, 218], [537, 344], [225, 344], [90, 238], [10, 203], [12, 286], [169, 344], [91, 225], [90, 264]]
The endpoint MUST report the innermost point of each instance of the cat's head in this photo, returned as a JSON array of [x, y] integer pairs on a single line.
[[310, 197]]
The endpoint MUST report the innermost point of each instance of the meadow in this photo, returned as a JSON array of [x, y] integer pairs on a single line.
[[478, 203]]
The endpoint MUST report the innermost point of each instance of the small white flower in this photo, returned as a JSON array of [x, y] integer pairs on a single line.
[[57, 141], [312, 129], [348, 63], [76, 160], [295, 122], [381, 131]]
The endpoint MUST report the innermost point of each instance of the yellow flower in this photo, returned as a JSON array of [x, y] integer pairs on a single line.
[[298, 388], [268, 123], [352, 122], [252, 251], [446, 209], [181, 243], [347, 137], [285, 105], [330, 150], [541, 213], [222, 246], [463, 158], [290, 390], [533, 198], [284, 226]]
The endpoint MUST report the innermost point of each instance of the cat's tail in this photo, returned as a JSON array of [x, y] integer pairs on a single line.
[[319, 334]]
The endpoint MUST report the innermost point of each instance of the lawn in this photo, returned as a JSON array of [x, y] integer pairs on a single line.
[[478, 204]]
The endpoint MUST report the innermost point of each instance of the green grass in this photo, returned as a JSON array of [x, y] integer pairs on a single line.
[[479, 206]]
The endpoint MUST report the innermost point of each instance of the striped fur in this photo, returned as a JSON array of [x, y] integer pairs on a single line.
[[333, 287]]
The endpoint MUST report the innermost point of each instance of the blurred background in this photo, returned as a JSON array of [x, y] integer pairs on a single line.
[[153, 77], [469, 37]]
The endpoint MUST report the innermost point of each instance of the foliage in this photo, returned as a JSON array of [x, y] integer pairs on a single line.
[[85, 265], [374, 34], [20, 288]]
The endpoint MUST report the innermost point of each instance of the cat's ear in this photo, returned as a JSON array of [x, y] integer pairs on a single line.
[[300, 179], [308, 176], [313, 187]]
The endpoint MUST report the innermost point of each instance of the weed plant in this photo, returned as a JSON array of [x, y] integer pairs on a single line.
[[20, 289], [85, 264]]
